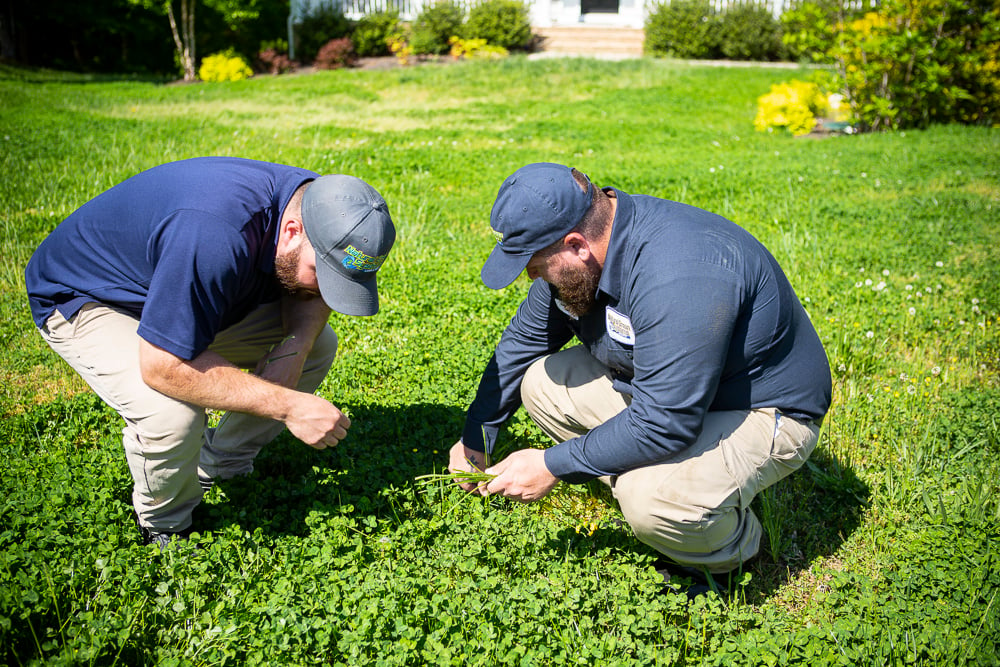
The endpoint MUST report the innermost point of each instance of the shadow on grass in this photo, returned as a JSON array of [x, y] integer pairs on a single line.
[[386, 448], [26, 74], [811, 514]]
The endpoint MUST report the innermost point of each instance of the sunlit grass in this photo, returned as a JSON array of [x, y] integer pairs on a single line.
[[891, 241]]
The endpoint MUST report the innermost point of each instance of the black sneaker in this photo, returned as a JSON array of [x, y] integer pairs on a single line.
[[692, 581], [206, 483], [160, 539]]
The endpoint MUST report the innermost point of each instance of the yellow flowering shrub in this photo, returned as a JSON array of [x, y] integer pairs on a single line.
[[793, 106], [226, 66], [475, 48]]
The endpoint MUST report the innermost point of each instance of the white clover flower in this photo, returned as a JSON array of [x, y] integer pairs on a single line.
[[912, 311], [868, 281], [870, 334], [936, 370], [908, 288], [911, 390], [880, 286], [975, 301], [885, 272], [939, 263]]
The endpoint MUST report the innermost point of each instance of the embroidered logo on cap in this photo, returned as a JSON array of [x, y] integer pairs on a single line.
[[361, 262]]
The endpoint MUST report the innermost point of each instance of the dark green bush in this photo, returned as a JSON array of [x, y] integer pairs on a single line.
[[500, 22], [317, 28], [683, 29], [750, 32], [918, 62], [435, 25], [372, 32]]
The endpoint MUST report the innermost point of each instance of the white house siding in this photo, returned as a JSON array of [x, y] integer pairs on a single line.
[[543, 13]]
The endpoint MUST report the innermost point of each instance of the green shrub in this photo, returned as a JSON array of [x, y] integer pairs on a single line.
[[683, 29], [225, 66], [317, 28], [335, 54], [503, 23], [918, 62], [372, 32], [808, 30], [435, 25], [750, 32]]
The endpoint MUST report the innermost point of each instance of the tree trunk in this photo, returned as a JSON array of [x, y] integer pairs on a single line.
[[184, 36]]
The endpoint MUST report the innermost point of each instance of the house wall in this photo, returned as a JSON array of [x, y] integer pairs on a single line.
[[543, 13]]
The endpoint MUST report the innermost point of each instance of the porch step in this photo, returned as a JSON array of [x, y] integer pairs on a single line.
[[593, 40]]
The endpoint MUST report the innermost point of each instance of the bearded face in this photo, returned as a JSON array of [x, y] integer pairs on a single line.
[[576, 288], [286, 269]]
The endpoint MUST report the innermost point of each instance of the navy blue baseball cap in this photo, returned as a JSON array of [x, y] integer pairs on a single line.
[[536, 206], [348, 224]]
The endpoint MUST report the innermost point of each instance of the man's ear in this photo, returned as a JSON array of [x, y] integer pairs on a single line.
[[291, 232], [579, 244]]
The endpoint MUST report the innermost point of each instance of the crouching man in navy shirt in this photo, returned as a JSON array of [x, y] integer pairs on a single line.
[[699, 379], [162, 291]]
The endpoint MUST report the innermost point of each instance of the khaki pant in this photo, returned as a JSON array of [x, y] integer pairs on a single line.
[[695, 507], [166, 441]]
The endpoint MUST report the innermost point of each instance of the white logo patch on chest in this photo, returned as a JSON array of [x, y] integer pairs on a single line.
[[619, 326]]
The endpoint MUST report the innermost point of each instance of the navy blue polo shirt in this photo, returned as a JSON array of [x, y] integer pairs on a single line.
[[187, 247], [693, 315]]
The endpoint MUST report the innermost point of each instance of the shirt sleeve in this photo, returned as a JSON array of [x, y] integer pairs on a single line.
[[197, 275], [683, 323], [538, 328]]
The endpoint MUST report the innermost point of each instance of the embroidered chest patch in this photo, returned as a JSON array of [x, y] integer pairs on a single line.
[[619, 326]]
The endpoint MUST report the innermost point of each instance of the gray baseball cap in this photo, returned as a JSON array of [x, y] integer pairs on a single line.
[[349, 226]]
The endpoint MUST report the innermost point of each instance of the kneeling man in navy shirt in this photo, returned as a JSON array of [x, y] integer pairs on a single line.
[[698, 381], [164, 290]]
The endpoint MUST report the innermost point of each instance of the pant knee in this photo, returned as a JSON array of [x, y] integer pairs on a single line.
[[324, 349], [534, 378]]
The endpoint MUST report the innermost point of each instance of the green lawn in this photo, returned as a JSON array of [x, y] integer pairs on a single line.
[[886, 547]]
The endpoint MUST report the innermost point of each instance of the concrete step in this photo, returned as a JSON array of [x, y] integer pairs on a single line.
[[596, 40]]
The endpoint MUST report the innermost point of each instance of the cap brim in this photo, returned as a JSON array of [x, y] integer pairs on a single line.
[[346, 296], [502, 268]]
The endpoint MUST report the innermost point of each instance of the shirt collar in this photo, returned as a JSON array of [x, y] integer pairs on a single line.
[[614, 260]]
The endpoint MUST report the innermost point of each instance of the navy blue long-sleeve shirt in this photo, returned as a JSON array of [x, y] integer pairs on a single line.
[[693, 315]]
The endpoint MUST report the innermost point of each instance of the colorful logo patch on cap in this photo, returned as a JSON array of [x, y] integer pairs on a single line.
[[497, 235], [361, 262]]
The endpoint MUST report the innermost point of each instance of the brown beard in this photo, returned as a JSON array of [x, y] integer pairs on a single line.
[[286, 269], [577, 289]]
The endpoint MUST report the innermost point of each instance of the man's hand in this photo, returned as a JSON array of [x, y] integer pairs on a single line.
[[522, 476], [463, 459], [317, 422]]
